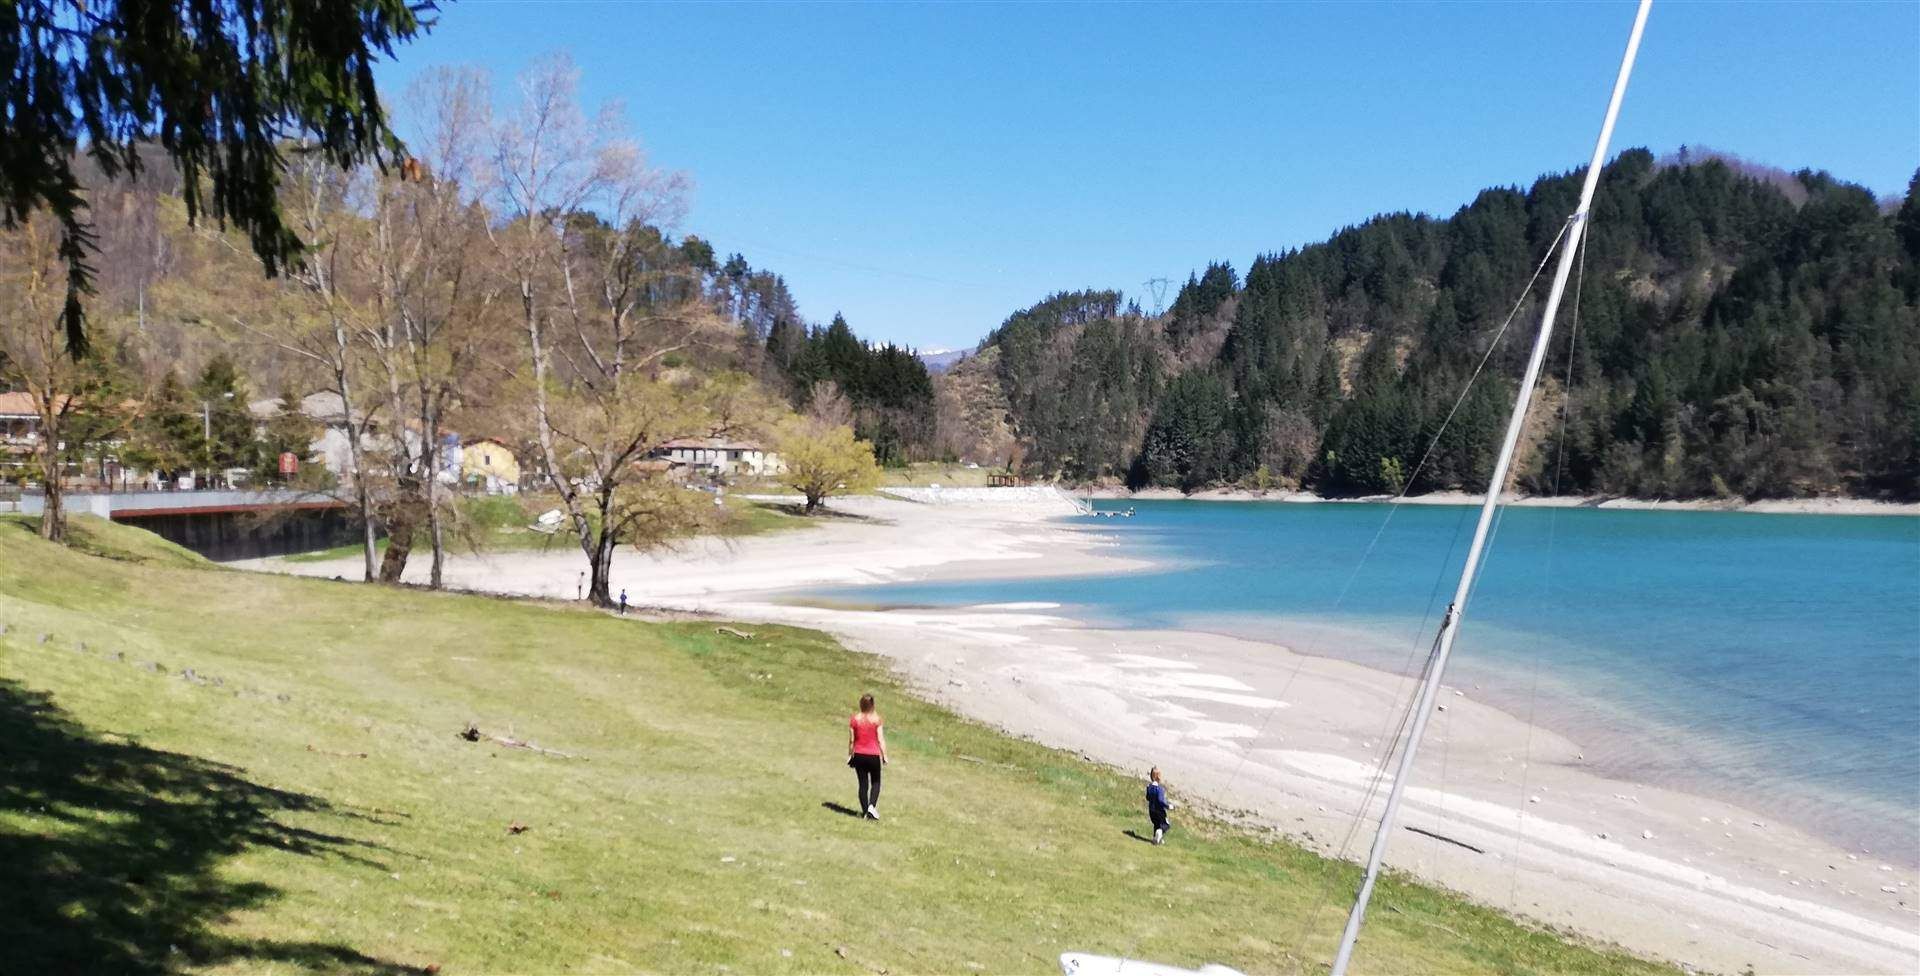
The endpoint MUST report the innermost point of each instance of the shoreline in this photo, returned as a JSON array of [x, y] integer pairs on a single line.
[[1287, 741], [1772, 506], [1609, 735]]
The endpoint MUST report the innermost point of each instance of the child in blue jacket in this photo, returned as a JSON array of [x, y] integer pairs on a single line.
[[1157, 805]]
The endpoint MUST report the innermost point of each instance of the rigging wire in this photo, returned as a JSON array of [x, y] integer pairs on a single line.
[[1389, 737], [1405, 711], [1412, 478], [1553, 526], [1465, 388]]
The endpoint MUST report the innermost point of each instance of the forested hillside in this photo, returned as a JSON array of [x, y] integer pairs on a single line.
[[1740, 332], [884, 391]]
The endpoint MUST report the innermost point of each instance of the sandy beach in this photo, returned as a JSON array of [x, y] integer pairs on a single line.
[[1503, 813]]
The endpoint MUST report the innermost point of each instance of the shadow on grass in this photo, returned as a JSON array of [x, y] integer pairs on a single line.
[[110, 853], [821, 514], [837, 808], [1136, 835]]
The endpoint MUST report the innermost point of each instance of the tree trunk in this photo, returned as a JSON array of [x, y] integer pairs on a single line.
[[437, 537], [813, 502], [53, 511], [368, 546], [430, 451], [356, 464], [399, 544], [407, 516], [601, 589], [600, 558]]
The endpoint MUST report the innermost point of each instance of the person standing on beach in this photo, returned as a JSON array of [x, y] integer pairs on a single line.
[[1157, 805], [867, 753], [623, 599]]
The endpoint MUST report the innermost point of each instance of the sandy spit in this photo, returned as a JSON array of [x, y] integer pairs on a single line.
[[1285, 740]]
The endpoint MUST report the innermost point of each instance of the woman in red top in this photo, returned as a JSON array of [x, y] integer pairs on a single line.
[[866, 753]]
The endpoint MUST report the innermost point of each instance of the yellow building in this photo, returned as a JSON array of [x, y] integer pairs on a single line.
[[488, 464]]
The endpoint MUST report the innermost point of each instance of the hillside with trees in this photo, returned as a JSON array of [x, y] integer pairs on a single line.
[[517, 279], [1740, 332]]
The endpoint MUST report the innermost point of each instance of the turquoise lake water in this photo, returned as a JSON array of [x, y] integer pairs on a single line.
[[1769, 659]]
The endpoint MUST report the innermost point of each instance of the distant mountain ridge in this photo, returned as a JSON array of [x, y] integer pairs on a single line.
[[938, 360], [1742, 331]]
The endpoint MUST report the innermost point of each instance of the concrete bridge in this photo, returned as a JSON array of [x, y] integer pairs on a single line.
[[151, 504], [221, 523]]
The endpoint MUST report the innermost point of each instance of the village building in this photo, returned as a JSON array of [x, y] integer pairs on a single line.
[[488, 464], [19, 421], [20, 445], [721, 456], [19, 435], [330, 446]]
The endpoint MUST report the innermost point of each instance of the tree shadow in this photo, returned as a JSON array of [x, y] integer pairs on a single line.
[[110, 853], [823, 513], [837, 808]]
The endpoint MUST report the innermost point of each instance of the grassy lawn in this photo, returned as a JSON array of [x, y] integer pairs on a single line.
[[498, 524], [747, 518], [301, 802], [917, 475], [935, 473]]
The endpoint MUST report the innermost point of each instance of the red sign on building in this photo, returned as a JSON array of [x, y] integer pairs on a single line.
[[289, 464]]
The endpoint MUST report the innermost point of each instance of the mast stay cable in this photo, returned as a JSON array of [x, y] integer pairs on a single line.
[[1450, 622], [1394, 506], [1546, 583], [1389, 736]]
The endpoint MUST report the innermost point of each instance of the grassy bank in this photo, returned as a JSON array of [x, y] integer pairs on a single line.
[[497, 524], [301, 801], [916, 475]]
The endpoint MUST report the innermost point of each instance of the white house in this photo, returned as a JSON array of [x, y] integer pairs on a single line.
[[21, 438], [19, 420], [19, 432], [718, 455]]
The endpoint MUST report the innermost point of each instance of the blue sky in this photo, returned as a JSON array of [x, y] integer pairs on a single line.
[[927, 169]]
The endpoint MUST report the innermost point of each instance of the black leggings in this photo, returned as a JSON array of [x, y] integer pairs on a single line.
[[868, 769]]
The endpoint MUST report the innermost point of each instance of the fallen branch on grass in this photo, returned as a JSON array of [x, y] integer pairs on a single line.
[[473, 734], [730, 632]]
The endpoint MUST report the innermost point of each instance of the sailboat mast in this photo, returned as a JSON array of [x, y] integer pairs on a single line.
[[1450, 624]]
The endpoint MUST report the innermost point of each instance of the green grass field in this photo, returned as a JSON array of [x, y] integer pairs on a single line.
[[925, 473], [301, 802], [916, 475]]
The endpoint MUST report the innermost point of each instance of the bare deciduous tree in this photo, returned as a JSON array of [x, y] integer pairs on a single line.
[[34, 352], [600, 314], [438, 331], [318, 198]]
